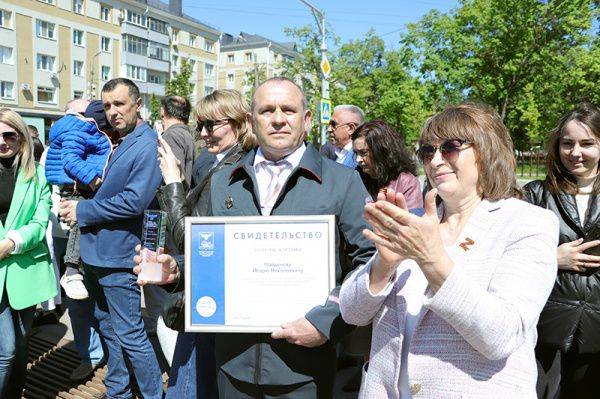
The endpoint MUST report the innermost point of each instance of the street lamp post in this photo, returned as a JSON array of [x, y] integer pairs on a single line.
[[320, 19], [91, 85]]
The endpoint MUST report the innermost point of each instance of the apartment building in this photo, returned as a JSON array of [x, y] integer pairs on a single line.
[[251, 54], [52, 51]]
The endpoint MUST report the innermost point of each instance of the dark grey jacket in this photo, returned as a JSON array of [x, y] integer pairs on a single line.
[[318, 186], [180, 140]]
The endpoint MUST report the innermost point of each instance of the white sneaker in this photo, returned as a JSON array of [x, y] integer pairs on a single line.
[[73, 286]]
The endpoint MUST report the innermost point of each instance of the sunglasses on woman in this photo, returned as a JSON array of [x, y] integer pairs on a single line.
[[209, 124], [448, 148], [9, 137]]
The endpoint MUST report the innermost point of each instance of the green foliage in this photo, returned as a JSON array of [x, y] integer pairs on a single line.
[[253, 78], [532, 60], [179, 84], [154, 108]]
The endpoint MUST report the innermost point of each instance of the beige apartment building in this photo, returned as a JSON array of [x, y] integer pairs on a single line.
[[52, 51], [250, 54]]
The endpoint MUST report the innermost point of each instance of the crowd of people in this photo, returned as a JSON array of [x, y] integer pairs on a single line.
[[470, 286]]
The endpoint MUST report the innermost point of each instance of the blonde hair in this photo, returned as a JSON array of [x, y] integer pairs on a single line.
[[229, 104], [24, 157], [480, 125]]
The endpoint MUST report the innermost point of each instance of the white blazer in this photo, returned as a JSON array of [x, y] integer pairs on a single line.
[[477, 333]]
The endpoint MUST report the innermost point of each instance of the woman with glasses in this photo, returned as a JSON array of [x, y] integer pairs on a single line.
[[26, 274], [384, 163], [454, 295], [568, 349], [222, 124]]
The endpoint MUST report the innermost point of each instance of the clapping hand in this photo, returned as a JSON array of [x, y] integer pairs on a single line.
[[169, 164], [407, 236], [571, 255]]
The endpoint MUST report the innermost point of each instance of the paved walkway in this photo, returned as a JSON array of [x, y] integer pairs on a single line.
[[52, 358]]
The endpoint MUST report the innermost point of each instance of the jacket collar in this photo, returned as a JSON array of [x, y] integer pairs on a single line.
[[22, 187], [128, 141], [311, 163]]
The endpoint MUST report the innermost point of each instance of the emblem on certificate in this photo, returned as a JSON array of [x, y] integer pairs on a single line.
[[252, 274]]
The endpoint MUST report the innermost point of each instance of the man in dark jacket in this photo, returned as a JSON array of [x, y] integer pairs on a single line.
[[299, 360]]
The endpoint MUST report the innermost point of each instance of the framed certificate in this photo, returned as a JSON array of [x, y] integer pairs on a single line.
[[252, 274]]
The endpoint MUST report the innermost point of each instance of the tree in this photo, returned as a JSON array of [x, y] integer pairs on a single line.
[[512, 54], [154, 108], [253, 79], [179, 84]]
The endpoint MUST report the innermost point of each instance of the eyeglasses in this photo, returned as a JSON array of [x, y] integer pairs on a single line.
[[334, 125], [448, 148], [209, 124], [9, 137]]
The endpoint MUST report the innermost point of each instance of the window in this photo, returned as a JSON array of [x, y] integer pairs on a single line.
[[77, 94], [6, 55], [209, 69], [230, 59], [136, 19], [192, 64], [5, 19], [248, 57], [208, 90], [78, 68], [105, 44], [156, 77], [209, 45], [175, 37], [46, 95], [45, 62], [136, 73], [175, 60], [157, 25], [78, 6], [105, 13], [45, 29], [158, 51], [105, 73], [7, 90], [230, 78], [192, 40], [78, 37], [47, 1], [135, 45]]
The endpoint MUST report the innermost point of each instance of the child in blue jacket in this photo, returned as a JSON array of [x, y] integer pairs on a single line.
[[78, 154]]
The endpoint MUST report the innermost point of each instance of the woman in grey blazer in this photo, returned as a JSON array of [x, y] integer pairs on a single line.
[[454, 296]]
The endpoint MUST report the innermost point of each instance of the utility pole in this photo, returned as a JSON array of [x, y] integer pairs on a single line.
[[325, 68]]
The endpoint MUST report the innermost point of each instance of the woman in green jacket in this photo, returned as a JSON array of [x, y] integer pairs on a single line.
[[26, 275]]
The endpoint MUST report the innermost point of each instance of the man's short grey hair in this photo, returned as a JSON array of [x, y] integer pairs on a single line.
[[279, 79], [353, 109]]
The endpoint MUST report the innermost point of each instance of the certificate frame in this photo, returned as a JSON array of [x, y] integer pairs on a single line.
[[193, 302]]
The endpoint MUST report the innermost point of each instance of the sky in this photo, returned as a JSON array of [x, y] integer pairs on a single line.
[[349, 19]]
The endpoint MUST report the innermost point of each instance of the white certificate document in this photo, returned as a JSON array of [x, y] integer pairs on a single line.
[[252, 274]]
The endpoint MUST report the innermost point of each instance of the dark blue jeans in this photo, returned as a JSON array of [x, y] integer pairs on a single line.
[[193, 372], [15, 326], [117, 301]]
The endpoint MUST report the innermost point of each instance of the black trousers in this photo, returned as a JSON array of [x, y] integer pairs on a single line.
[[230, 387], [567, 375]]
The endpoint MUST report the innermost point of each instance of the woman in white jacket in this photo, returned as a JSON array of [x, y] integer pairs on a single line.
[[454, 296]]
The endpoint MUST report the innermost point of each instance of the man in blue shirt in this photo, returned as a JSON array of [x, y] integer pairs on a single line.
[[111, 227]]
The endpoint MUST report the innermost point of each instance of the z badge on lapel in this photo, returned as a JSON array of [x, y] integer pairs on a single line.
[[229, 202], [466, 244]]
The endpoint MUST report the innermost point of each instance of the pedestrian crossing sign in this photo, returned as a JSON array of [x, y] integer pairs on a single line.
[[325, 110]]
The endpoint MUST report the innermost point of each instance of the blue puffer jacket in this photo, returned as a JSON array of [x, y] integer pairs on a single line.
[[78, 151]]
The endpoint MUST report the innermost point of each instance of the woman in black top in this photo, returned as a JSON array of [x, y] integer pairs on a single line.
[[568, 348]]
